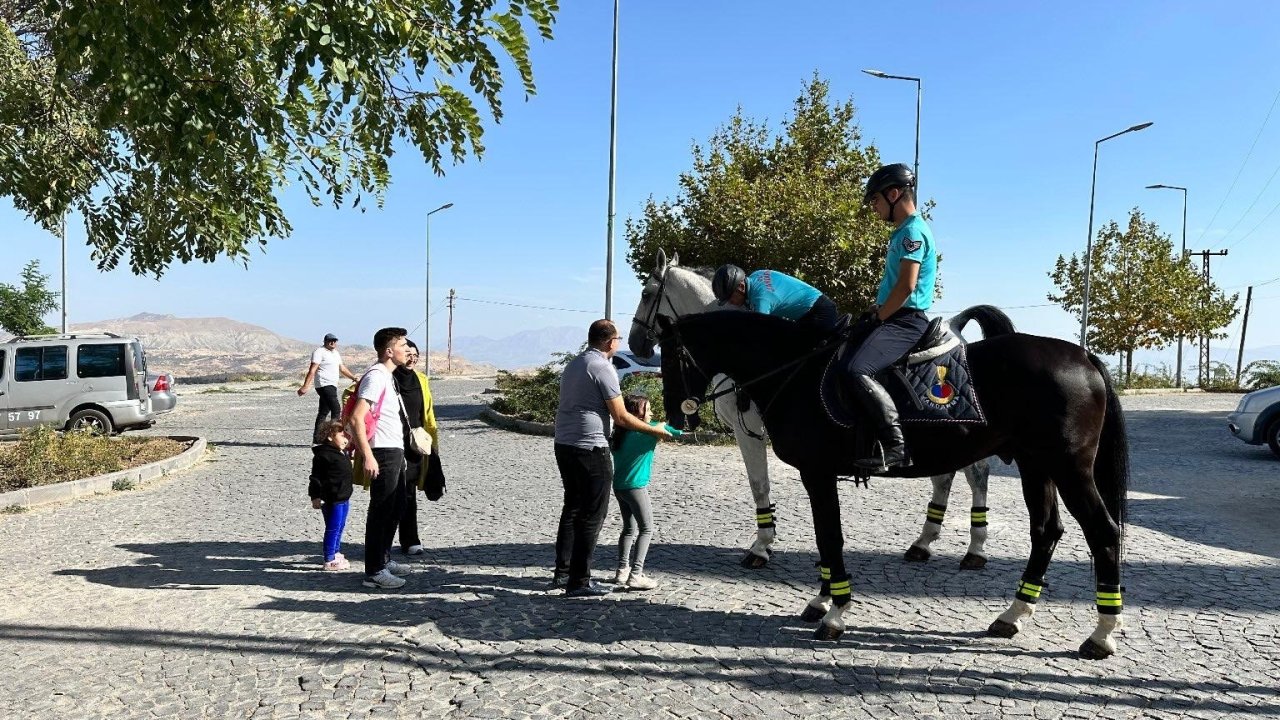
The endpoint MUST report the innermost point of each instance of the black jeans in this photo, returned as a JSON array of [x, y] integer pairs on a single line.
[[386, 502], [587, 476], [409, 514], [889, 341], [329, 408]]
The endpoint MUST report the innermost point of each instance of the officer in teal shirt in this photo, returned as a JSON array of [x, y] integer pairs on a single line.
[[898, 318], [775, 293]]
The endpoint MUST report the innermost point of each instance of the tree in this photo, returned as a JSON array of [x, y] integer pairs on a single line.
[[172, 126], [791, 202], [22, 310], [1140, 295]]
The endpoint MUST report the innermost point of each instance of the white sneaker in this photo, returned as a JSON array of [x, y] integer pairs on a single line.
[[415, 550], [620, 577], [383, 580], [640, 581], [399, 569]]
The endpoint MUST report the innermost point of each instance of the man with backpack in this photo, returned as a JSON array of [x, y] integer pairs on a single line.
[[378, 432]]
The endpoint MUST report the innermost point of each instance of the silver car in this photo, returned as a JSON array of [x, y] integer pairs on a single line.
[[1257, 418], [90, 380], [164, 397]]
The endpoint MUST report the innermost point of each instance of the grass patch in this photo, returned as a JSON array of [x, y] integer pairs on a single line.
[[13, 509], [220, 390], [120, 484], [44, 456]]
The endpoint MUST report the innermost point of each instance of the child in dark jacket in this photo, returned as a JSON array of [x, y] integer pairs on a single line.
[[330, 490]]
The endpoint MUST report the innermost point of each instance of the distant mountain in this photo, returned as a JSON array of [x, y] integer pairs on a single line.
[[215, 349], [526, 349]]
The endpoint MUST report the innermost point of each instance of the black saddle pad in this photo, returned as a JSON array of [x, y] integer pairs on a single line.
[[931, 390]]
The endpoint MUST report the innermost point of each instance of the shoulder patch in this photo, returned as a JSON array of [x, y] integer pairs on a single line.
[[911, 245]]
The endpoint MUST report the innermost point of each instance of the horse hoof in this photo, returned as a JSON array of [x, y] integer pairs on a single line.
[[753, 561], [1002, 629], [812, 614], [972, 562], [826, 632], [915, 553], [1090, 650]]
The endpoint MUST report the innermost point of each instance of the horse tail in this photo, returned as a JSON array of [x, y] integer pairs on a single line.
[[990, 318], [1111, 466]]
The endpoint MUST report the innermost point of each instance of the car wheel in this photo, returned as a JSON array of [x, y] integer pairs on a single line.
[[1273, 436], [90, 419]]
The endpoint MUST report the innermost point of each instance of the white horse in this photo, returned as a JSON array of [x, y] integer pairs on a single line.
[[674, 291]]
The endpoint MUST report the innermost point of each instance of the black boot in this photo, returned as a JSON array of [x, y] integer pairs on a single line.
[[879, 408]]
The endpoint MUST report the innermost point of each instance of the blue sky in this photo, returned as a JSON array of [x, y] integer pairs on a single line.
[[1015, 94]]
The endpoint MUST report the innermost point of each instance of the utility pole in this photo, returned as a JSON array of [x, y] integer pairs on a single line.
[[62, 233], [449, 358], [1244, 328], [1205, 255]]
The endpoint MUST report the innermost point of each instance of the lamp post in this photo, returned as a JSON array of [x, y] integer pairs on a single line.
[[613, 157], [1180, 257], [1088, 252], [426, 321], [919, 89], [62, 234]]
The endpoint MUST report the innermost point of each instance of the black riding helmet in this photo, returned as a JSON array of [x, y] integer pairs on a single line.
[[726, 281], [887, 178]]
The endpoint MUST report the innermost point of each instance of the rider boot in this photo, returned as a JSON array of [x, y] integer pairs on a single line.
[[879, 408]]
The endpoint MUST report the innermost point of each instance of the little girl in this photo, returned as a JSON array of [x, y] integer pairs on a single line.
[[632, 462], [330, 490]]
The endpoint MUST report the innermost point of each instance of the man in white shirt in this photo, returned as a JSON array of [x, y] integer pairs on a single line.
[[381, 450], [326, 366]]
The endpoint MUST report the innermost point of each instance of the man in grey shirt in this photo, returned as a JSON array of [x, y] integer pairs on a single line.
[[589, 398]]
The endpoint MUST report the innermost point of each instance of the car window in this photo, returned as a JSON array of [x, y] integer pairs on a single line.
[[40, 363], [94, 361], [2, 366], [620, 363]]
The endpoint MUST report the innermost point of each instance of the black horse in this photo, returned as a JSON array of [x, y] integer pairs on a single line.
[[1049, 404]]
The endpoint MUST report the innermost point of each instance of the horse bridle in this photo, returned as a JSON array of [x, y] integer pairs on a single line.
[[649, 324]]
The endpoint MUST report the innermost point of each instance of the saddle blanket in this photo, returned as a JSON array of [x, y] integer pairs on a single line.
[[931, 386], [936, 390]]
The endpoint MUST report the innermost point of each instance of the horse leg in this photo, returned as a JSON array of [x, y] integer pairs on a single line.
[[1081, 497], [1046, 530], [833, 596], [976, 557], [755, 457], [919, 550]]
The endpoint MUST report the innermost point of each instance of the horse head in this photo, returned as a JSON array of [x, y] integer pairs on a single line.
[[684, 385], [644, 328]]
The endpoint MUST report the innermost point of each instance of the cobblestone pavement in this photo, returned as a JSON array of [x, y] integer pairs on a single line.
[[200, 596]]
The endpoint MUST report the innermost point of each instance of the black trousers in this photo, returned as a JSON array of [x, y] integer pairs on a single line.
[[823, 315], [386, 502], [587, 476], [889, 341], [329, 409], [409, 514]]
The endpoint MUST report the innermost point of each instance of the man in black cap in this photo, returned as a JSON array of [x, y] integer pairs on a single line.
[[326, 367]]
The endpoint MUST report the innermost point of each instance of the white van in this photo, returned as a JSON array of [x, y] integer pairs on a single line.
[[73, 381]]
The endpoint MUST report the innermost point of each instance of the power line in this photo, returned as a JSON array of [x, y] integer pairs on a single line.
[[534, 307], [1256, 198], [1255, 227], [1241, 170]]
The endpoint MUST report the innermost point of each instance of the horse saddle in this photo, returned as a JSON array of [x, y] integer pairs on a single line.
[[931, 383]]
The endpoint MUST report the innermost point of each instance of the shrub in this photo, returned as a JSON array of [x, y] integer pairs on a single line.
[[122, 484], [43, 456], [1261, 374]]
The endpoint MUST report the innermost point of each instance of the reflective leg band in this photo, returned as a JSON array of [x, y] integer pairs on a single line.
[[764, 517], [824, 574], [840, 590], [978, 517], [1029, 592], [936, 512], [1109, 602]]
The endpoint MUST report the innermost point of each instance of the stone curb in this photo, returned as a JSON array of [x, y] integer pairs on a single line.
[[527, 427], [58, 492], [1160, 391]]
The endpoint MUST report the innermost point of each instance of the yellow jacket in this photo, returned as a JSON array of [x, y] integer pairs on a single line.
[[428, 423]]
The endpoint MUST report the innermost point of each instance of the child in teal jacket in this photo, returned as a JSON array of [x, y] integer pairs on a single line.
[[632, 464]]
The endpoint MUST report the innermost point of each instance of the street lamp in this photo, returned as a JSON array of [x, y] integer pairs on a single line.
[[426, 322], [1088, 252], [1180, 257], [919, 89], [613, 156]]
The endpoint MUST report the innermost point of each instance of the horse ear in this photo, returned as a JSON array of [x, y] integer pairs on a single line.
[[662, 262], [675, 258]]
